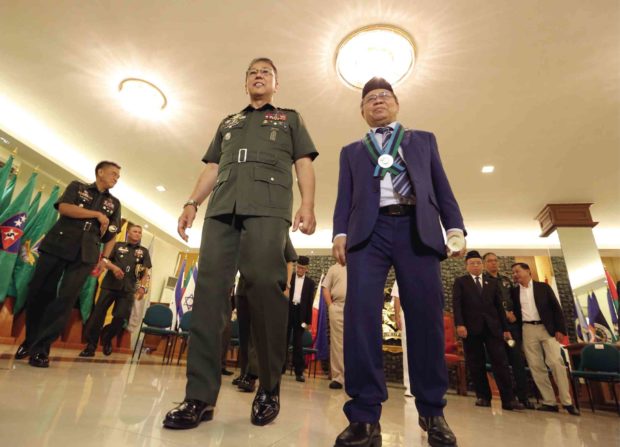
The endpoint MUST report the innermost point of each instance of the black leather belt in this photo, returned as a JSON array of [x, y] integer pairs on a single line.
[[533, 322], [88, 225], [397, 210]]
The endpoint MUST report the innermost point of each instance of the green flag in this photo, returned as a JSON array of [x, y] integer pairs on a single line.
[[4, 174], [35, 231], [87, 296], [34, 206], [8, 194], [12, 226]]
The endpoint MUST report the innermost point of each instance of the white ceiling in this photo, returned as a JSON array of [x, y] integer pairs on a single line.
[[530, 87]]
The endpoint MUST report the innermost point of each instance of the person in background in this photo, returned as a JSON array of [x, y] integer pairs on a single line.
[[335, 293], [399, 316]]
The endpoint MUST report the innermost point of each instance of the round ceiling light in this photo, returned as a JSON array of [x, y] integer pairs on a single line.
[[141, 97], [376, 50]]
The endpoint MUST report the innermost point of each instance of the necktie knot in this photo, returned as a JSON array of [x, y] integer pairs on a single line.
[[384, 130]]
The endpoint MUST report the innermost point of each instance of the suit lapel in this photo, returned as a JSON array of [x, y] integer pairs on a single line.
[[538, 298], [365, 164]]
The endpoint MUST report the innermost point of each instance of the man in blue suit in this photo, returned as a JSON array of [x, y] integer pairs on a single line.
[[392, 195]]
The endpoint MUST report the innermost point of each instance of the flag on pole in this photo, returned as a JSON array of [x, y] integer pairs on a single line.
[[597, 321], [34, 206], [8, 194], [187, 300], [581, 325], [614, 314], [612, 286], [36, 229], [178, 295], [12, 225], [87, 294], [320, 340], [4, 174]]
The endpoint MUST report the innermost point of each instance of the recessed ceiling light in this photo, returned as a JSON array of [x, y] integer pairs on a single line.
[[142, 98], [376, 50], [160, 188], [146, 226], [488, 169]]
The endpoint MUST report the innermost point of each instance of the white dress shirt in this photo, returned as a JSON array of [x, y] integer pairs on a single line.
[[299, 284], [529, 311]]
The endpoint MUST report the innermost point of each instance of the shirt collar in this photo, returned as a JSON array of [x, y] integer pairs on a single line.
[[267, 106], [529, 285], [391, 126]]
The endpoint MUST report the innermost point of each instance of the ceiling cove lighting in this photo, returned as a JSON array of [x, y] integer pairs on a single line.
[[375, 50], [142, 98], [488, 169]]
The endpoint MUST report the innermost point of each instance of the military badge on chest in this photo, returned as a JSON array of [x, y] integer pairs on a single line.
[[277, 121], [108, 206], [84, 198], [138, 254], [233, 121]]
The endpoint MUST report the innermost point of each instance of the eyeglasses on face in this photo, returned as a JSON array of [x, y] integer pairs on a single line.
[[383, 96]]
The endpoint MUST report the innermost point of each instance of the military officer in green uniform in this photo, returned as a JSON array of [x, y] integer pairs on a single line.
[[89, 215], [127, 266], [248, 177], [515, 352]]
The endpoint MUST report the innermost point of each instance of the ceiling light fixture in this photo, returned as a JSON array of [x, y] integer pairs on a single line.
[[160, 188], [375, 50], [488, 169], [142, 98]]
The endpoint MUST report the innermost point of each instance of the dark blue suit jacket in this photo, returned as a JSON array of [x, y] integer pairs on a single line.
[[357, 205]]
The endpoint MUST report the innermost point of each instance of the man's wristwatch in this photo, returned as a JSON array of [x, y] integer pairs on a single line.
[[192, 203], [105, 260]]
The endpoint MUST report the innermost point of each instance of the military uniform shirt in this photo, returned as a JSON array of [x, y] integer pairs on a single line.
[[70, 237], [134, 260], [505, 285], [255, 150]]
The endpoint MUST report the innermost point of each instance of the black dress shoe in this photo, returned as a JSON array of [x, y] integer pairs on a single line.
[[480, 402], [572, 410], [89, 351], [188, 414], [439, 433], [247, 383], [512, 406], [266, 406], [107, 347], [528, 405], [300, 378], [360, 434], [550, 408], [335, 385], [22, 352], [225, 372], [40, 360], [236, 380]]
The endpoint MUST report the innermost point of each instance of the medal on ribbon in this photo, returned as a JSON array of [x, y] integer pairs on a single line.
[[384, 157]]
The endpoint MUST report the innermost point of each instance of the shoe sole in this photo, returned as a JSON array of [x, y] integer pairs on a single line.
[[246, 390], [374, 442], [207, 416], [263, 423], [47, 365]]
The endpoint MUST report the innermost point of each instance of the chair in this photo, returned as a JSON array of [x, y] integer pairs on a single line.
[[308, 351], [157, 321], [183, 333], [600, 362], [453, 354]]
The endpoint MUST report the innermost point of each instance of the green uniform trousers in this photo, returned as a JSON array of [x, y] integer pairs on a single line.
[[254, 245]]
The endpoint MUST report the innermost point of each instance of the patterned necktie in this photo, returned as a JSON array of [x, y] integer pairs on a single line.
[[479, 285], [400, 181]]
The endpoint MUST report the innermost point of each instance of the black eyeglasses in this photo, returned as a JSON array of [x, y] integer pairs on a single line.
[[382, 96]]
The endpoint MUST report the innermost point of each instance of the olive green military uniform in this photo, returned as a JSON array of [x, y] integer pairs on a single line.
[[69, 252], [245, 230], [248, 363]]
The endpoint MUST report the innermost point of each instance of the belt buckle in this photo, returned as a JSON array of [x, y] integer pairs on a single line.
[[243, 153], [87, 226]]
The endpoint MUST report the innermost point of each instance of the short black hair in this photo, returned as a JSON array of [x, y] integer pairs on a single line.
[[131, 225], [105, 164], [484, 257], [267, 61], [523, 265]]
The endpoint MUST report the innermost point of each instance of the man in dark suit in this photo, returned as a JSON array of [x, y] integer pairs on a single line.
[[301, 298], [392, 194], [480, 320], [539, 313]]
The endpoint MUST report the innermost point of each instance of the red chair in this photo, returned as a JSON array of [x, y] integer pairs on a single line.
[[454, 354]]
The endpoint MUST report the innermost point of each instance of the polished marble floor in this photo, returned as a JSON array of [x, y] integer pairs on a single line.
[[98, 403]]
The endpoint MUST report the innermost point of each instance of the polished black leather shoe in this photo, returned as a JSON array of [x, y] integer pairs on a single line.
[[247, 383], [512, 406], [188, 414], [225, 372], [22, 352], [480, 402], [266, 406], [237, 379], [39, 360], [439, 433], [528, 405], [107, 347], [360, 434], [89, 351], [572, 410], [549, 408], [335, 385], [300, 378]]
